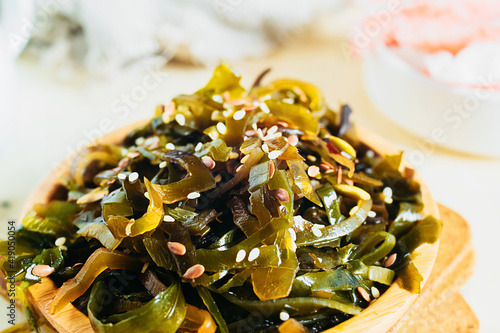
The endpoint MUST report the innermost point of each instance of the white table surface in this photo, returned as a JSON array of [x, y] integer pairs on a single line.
[[43, 119]]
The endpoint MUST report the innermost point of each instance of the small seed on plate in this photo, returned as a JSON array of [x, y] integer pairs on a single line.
[[364, 294], [390, 260], [238, 115], [274, 154], [60, 241], [282, 195], [316, 231], [208, 161], [170, 146], [254, 254], [194, 272], [375, 292], [133, 177], [313, 171], [42, 270], [193, 195], [177, 248], [293, 140], [241, 255], [168, 218], [284, 316]]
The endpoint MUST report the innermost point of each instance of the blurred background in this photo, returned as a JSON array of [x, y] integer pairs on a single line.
[[425, 75]]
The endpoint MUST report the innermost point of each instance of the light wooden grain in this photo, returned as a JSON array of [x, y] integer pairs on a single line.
[[379, 317]]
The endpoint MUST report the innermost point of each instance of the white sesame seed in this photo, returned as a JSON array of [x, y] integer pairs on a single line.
[[226, 113], [133, 177], [181, 120], [254, 126], [353, 210], [170, 146], [238, 115], [239, 168], [316, 231], [319, 226], [146, 194], [388, 200], [274, 154], [272, 130], [387, 192], [371, 213], [139, 141], [168, 218], [287, 100], [293, 235], [260, 133], [254, 254], [375, 292], [265, 148], [240, 255], [233, 155], [122, 176], [245, 158], [264, 108], [60, 241], [63, 248], [370, 154], [199, 146], [193, 195], [218, 98], [221, 128], [284, 316], [163, 165]]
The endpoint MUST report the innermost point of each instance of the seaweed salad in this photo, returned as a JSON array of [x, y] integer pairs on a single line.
[[231, 210]]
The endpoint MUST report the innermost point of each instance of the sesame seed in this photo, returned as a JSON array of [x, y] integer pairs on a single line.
[[251, 133], [60, 241], [146, 194], [311, 158], [144, 267], [313, 171], [199, 146], [272, 130], [260, 133], [271, 169], [282, 195], [168, 218], [254, 126], [226, 113], [208, 161], [177, 248], [194, 272], [221, 128], [238, 115], [265, 148], [390, 260], [319, 226], [370, 154], [364, 294], [245, 158], [163, 165], [63, 248], [284, 316], [375, 292], [181, 120], [254, 254], [288, 100], [274, 154], [387, 192], [218, 98], [233, 155], [170, 146], [218, 178], [42, 270], [353, 210], [239, 168], [316, 231], [388, 200], [139, 141], [293, 140], [264, 108], [240, 255], [133, 177], [193, 195], [371, 213], [293, 235]]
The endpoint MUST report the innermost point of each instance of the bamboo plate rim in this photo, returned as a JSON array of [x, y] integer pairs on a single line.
[[378, 317]]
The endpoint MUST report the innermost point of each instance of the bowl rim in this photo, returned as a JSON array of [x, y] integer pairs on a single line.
[[378, 317]]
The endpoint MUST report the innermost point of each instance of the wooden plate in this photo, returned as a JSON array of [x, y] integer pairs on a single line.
[[379, 317]]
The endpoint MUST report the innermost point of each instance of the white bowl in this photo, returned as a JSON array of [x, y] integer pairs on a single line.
[[464, 119]]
